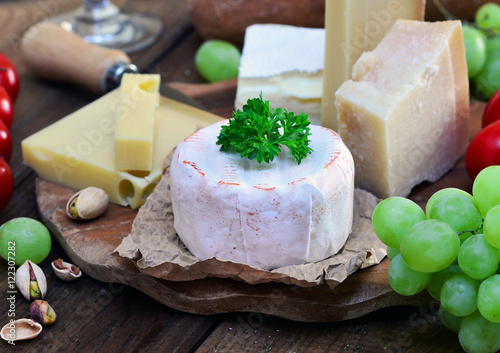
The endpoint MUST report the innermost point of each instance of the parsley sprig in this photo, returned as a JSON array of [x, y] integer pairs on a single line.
[[258, 132]]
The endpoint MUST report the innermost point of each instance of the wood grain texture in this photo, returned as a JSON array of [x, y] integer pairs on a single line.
[[391, 330]]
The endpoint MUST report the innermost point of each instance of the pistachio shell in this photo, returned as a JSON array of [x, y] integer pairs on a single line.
[[21, 329], [89, 203], [23, 279], [65, 274]]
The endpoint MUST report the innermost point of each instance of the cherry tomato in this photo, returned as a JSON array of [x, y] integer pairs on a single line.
[[8, 77], [6, 111], [5, 142], [492, 111], [483, 150], [6, 184]]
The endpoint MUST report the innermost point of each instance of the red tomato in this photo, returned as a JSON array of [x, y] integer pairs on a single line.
[[5, 142], [8, 77], [6, 111], [6, 184], [483, 150], [492, 111]]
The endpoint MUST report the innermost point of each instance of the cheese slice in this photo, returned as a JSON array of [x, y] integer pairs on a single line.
[[77, 151], [404, 115], [265, 215], [353, 27], [285, 63], [135, 122]]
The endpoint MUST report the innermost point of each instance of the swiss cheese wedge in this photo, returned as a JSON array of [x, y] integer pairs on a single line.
[[77, 151], [285, 63], [135, 122], [404, 115]]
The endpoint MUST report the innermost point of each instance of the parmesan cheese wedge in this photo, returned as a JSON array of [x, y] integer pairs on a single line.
[[266, 215], [353, 27], [404, 115]]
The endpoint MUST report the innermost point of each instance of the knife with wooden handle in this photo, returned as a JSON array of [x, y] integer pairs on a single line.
[[56, 54]]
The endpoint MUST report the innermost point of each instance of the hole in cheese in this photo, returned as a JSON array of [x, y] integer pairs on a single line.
[[139, 173], [126, 189], [149, 86], [42, 154]]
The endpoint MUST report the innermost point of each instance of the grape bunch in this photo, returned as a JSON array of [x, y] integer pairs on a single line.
[[452, 250], [482, 49]]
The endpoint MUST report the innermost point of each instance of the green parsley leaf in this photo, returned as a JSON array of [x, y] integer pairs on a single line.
[[258, 132]]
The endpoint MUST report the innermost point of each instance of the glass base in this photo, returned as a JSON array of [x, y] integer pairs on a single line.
[[109, 27]]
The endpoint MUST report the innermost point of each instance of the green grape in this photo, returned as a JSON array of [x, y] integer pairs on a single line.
[[478, 335], [438, 278], [491, 227], [488, 299], [492, 44], [24, 239], [404, 280], [391, 252], [487, 81], [486, 188], [430, 246], [217, 60], [458, 211], [393, 217], [475, 49], [442, 192], [451, 322], [459, 295], [488, 17], [477, 258]]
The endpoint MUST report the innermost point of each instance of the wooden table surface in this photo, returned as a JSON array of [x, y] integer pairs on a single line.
[[93, 316]]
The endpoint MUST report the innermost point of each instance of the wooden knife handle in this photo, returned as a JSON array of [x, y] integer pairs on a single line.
[[56, 54]]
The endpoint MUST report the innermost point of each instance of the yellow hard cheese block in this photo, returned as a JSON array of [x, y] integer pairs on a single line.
[[77, 151], [404, 115], [135, 122], [353, 27]]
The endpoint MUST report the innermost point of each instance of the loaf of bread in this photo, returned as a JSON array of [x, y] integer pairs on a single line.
[[228, 19]]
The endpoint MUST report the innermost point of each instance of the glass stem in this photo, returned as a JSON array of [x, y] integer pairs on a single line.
[[92, 4]]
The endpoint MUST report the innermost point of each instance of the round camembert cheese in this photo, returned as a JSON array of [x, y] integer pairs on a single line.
[[266, 215]]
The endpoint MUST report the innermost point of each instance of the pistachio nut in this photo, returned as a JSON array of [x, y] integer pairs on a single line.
[[31, 281], [21, 329], [42, 312], [88, 203], [65, 270]]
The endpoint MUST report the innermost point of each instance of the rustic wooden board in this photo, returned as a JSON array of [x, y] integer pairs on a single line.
[[90, 244]]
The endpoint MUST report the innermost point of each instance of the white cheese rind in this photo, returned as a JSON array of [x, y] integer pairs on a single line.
[[285, 63], [274, 49], [263, 215]]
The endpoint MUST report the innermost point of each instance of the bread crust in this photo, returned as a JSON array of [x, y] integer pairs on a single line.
[[228, 19]]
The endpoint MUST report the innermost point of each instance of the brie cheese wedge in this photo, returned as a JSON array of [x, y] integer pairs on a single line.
[[285, 63]]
